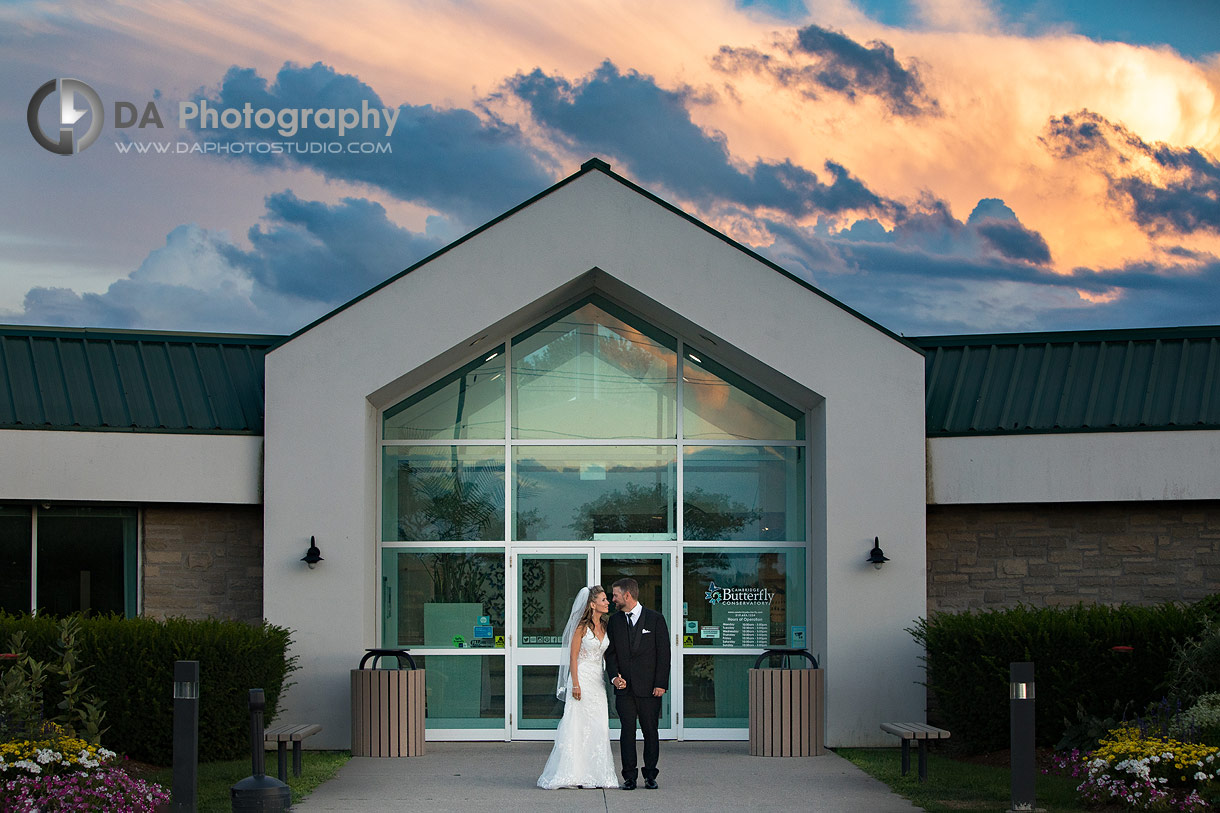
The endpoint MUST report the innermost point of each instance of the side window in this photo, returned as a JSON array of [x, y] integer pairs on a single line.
[[87, 560], [15, 559]]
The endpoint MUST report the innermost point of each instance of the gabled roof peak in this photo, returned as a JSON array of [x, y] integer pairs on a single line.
[[595, 163]]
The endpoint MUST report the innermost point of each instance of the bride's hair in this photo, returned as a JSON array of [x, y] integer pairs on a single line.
[[586, 618]]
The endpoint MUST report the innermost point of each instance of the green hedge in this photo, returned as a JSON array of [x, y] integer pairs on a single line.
[[132, 672], [968, 657]]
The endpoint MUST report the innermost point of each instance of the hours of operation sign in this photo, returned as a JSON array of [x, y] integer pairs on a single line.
[[748, 626]]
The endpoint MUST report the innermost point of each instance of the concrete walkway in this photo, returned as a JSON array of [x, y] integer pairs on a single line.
[[703, 776]]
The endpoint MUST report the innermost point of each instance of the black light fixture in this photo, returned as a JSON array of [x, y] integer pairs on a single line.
[[313, 555], [875, 556]]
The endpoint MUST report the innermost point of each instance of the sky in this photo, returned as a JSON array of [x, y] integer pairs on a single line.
[[940, 166]]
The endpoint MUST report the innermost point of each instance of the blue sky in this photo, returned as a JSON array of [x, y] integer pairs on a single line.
[[942, 166]]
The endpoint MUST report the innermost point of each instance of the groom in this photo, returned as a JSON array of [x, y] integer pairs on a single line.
[[638, 660]]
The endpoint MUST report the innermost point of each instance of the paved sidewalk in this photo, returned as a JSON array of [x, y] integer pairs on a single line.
[[703, 776]]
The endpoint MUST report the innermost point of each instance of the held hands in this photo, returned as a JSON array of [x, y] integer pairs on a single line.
[[620, 683]]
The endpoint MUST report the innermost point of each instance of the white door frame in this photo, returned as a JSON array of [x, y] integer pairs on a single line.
[[517, 655]]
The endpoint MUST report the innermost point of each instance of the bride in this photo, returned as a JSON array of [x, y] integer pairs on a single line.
[[581, 756]]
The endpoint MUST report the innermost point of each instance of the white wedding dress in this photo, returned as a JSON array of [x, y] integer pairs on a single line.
[[581, 755]]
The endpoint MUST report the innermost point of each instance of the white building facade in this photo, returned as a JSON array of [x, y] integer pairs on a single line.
[[596, 386]]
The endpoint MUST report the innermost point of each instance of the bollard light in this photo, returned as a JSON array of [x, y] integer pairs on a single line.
[[259, 793], [1021, 735], [186, 736]]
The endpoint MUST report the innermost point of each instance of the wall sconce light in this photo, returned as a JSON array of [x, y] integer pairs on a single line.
[[313, 555], [875, 556]]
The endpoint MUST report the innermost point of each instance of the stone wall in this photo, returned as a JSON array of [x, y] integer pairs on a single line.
[[203, 561], [995, 556]]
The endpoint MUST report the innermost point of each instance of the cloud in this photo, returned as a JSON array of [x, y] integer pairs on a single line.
[[926, 281], [649, 128], [307, 258], [955, 15], [186, 284], [1001, 230], [326, 254], [992, 229], [840, 65], [448, 159], [1015, 241], [1164, 187]]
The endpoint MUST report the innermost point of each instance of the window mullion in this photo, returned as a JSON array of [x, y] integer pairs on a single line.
[[34, 559]]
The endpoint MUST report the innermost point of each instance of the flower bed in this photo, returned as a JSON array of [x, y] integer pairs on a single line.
[[57, 771], [1146, 772]]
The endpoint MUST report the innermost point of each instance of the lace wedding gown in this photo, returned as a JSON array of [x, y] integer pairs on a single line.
[[581, 755]]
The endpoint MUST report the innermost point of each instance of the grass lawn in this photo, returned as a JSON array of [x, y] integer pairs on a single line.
[[955, 786], [216, 778]]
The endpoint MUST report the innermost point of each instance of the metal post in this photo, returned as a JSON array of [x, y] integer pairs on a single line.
[[1021, 722], [258, 758], [186, 736]]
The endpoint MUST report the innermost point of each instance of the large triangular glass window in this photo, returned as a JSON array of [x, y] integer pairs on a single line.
[[594, 371]]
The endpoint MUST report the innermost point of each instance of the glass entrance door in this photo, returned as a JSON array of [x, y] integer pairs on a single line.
[[544, 583], [653, 571]]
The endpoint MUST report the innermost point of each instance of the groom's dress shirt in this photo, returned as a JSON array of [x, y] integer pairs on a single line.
[[633, 616]]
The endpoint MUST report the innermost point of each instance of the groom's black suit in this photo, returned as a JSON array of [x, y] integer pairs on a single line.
[[641, 655]]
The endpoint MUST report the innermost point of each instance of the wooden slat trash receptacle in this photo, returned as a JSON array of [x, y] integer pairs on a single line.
[[387, 707], [787, 708]]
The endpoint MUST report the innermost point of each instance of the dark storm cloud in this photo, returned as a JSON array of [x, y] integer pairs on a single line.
[[324, 253], [1015, 241], [449, 159], [818, 60], [1182, 195], [628, 116]]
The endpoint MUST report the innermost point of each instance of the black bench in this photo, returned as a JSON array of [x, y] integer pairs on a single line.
[[280, 736], [915, 731]]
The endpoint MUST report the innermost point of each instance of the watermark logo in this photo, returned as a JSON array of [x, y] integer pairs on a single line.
[[71, 92], [293, 125]]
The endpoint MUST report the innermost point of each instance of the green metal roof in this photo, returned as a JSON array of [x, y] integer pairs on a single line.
[[137, 381], [1009, 383], [1105, 381]]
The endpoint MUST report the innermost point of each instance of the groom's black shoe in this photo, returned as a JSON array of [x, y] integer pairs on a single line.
[[628, 784], [651, 784]]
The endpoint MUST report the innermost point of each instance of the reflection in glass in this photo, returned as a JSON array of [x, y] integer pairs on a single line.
[[651, 573], [752, 493], [452, 493], [466, 404], [594, 492], [540, 708], [435, 597], [590, 374], [15, 560], [748, 598], [549, 583], [716, 690], [718, 404], [463, 691]]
